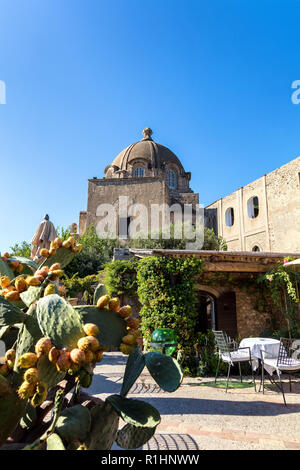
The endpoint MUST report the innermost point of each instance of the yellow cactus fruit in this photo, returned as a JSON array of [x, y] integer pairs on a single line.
[[10, 355], [20, 268], [41, 387], [114, 304], [53, 245], [71, 240], [125, 311], [77, 248], [54, 275], [10, 364], [33, 281], [52, 252], [13, 265], [66, 244], [13, 296], [43, 347], [58, 241], [27, 360], [4, 282], [53, 355], [4, 370], [126, 349], [91, 329], [50, 289], [98, 355], [89, 356], [31, 375], [129, 339], [44, 253], [103, 301], [88, 342], [55, 266], [78, 356], [21, 284], [135, 333], [132, 323], [26, 390], [63, 362], [4, 386]]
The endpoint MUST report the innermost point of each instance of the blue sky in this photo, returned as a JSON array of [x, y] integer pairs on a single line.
[[84, 77]]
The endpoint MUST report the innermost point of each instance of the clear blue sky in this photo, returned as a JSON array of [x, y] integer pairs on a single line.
[[84, 77]]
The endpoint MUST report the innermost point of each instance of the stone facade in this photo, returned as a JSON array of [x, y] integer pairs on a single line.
[[144, 173], [264, 215]]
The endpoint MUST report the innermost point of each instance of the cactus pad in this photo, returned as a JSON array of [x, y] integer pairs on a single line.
[[112, 328], [63, 256], [135, 412], [48, 372], [32, 294], [54, 442], [24, 261], [104, 427], [9, 313], [5, 270], [133, 437], [74, 423], [99, 292], [59, 321], [134, 366], [165, 370]]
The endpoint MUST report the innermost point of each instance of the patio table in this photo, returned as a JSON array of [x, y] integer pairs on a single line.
[[268, 346]]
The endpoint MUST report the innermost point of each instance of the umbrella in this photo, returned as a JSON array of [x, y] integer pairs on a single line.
[[290, 263]]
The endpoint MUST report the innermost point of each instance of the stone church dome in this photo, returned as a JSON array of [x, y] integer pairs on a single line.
[[152, 153]]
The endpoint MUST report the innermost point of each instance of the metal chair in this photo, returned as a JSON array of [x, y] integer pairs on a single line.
[[230, 353], [286, 361]]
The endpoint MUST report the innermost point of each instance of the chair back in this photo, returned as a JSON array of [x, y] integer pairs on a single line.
[[288, 351], [222, 341]]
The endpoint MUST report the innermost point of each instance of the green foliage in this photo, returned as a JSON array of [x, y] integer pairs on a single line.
[[21, 249], [120, 277], [166, 289], [208, 356], [77, 285], [212, 241], [94, 254]]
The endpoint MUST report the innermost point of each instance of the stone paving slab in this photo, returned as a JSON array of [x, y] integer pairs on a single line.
[[209, 417]]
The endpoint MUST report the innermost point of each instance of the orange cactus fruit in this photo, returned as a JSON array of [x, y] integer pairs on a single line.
[[27, 360], [44, 253], [132, 323], [58, 241], [78, 356], [77, 248], [13, 296], [129, 339], [26, 390], [54, 267], [66, 244], [91, 329], [114, 304], [88, 342], [13, 265], [4, 370], [63, 362], [10, 355], [31, 375], [125, 311], [6, 255], [21, 284], [52, 251], [126, 349], [56, 274], [103, 301], [43, 347], [89, 356], [32, 281], [98, 355], [4, 282], [53, 355]]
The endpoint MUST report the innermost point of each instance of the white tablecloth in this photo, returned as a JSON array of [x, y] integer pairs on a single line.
[[268, 346]]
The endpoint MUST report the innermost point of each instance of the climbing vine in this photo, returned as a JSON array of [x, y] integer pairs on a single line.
[[167, 292], [120, 277]]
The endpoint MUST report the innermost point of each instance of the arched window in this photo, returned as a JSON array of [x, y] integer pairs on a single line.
[[256, 248], [229, 217], [139, 172], [172, 179], [253, 207]]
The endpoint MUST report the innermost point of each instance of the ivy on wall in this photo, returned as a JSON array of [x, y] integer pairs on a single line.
[[120, 277]]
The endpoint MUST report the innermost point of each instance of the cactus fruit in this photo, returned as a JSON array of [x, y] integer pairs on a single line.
[[125, 311], [88, 342], [33, 281], [103, 301], [10, 355], [49, 290], [53, 355], [129, 339], [38, 398], [98, 355], [54, 267], [21, 285], [91, 329], [89, 356], [26, 390], [58, 242], [4, 370], [44, 253], [114, 304], [126, 349], [43, 347], [31, 375], [4, 281], [77, 248], [132, 323], [78, 356], [63, 362], [56, 274], [136, 333], [27, 360], [13, 296]]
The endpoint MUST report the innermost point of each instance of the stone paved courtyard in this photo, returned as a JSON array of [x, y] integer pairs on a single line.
[[200, 417]]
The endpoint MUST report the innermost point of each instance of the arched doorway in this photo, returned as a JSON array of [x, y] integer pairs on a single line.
[[206, 308]]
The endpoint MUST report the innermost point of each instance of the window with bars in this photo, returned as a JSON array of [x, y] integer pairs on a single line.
[[139, 172], [172, 179]]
